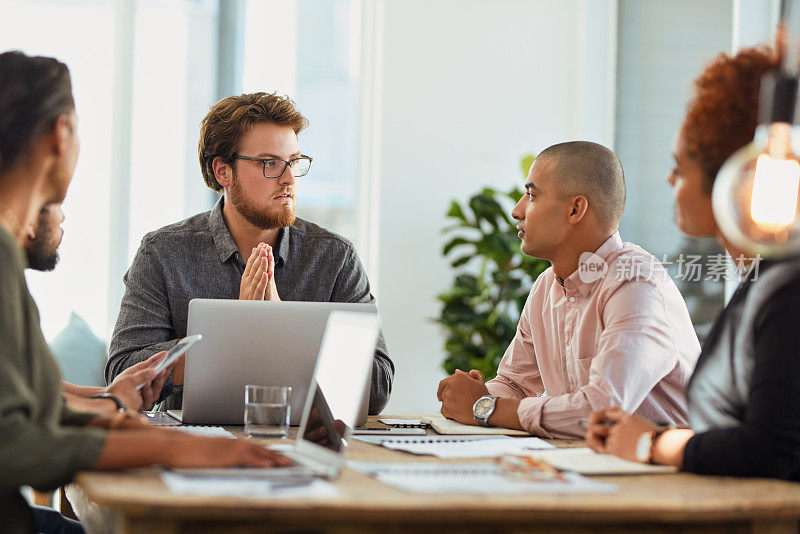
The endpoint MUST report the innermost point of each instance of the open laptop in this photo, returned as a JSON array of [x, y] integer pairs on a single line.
[[253, 342], [332, 404]]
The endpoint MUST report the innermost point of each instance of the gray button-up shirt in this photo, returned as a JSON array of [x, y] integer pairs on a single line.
[[197, 258]]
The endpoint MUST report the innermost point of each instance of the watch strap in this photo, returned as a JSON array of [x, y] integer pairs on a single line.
[[105, 395]]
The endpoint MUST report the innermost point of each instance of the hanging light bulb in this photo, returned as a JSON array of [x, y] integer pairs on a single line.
[[756, 196], [775, 185]]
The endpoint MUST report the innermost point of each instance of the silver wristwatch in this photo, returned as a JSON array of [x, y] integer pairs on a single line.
[[483, 409]]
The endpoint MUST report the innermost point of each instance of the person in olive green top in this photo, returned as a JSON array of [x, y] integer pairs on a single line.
[[43, 443]]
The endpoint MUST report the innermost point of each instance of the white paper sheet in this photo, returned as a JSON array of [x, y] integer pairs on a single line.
[[431, 468], [471, 478], [215, 431], [244, 487], [494, 485], [481, 448]]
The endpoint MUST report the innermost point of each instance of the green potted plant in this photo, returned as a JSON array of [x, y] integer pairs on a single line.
[[481, 309]]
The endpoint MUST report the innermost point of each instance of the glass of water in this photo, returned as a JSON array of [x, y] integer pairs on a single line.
[[266, 411]]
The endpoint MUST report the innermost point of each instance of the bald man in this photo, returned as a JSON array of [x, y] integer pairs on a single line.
[[603, 326]]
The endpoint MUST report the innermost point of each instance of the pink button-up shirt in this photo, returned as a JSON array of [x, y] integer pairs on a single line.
[[619, 338]]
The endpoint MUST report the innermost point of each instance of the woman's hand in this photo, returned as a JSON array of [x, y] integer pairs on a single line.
[[129, 445], [201, 451], [124, 385], [613, 431]]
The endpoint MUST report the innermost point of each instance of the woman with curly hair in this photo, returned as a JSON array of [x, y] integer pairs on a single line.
[[744, 394]]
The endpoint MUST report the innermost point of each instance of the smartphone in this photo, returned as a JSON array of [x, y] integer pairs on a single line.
[[174, 353]]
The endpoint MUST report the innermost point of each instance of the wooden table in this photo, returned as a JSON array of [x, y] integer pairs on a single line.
[[136, 502]]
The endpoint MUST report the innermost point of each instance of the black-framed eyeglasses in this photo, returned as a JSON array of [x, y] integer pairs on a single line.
[[275, 167]]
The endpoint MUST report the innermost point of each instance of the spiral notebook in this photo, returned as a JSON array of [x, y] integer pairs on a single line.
[[380, 440], [405, 423], [459, 446], [445, 426]]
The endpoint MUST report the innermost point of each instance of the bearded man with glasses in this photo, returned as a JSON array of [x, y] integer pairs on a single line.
[[250, 246]]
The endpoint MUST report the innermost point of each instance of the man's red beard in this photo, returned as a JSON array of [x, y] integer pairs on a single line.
[[266, 219]]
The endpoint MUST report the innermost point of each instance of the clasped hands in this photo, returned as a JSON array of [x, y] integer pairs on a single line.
[[610, 431], [258, 279], [458, 392]]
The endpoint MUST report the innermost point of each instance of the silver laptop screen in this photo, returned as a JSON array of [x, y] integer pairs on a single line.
[[344, 363]]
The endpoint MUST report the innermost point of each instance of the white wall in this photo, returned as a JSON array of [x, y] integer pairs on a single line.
[[663, 46], [754, 22], [468, 87]]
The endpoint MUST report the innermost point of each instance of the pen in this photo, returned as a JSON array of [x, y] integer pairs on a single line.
[[605, 422], [611, 422]]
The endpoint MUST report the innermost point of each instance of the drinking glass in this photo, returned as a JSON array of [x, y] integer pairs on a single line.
[[266, 411]]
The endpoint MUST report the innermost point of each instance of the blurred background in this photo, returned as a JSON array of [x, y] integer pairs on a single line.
[[412, 104]]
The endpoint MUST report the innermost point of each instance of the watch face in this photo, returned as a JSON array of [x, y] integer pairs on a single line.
[[643, 447], [483, 406]]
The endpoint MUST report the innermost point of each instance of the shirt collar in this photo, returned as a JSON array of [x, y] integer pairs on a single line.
[[226, 246], [580, 284], [284, 239]]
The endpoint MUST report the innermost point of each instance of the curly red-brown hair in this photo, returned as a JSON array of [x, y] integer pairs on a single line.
[[722, 114]]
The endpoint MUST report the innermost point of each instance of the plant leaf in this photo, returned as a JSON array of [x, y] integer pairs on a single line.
[[525, 164], [480, 310], [455, 242], [456, 212], [461, 261]]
